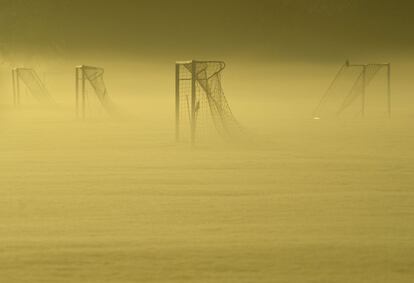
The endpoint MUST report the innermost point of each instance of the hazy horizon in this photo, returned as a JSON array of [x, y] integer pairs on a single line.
[[269, 191], [268, 30]]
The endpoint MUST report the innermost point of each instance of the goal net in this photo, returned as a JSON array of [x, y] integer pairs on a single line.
[[27, 80], [348, 92], [201, 107], [91, 80]]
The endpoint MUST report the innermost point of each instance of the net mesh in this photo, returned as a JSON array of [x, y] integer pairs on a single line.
[[212, 113], [34, 84], [349, 85]]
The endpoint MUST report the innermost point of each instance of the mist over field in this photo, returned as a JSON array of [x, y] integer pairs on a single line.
[[114, 198]]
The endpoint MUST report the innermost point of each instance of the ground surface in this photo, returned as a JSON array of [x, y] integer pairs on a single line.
[[116, 202]]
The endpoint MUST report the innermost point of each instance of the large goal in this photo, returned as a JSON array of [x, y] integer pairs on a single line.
[[26, 79], [200, 105], [351, 86], [89, 77]]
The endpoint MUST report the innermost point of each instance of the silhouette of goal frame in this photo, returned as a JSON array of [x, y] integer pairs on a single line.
[[192, 105], [364, 81], [41, 93], [80, 84]]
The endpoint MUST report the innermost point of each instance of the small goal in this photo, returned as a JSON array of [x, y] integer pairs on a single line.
[[353, 86], [26, 79], [91, 77]]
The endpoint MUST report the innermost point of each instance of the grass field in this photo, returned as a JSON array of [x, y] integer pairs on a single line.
[[121, 202]]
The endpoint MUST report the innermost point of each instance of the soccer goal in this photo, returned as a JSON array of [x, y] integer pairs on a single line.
[[351, 86], [91, 77], [200, 105], [26, 79]]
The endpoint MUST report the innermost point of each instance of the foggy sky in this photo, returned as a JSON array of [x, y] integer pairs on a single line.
[[278, 29]]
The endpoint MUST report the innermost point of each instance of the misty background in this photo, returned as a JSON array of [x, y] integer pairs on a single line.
[[119, 200], [280, 55], [318, 30]]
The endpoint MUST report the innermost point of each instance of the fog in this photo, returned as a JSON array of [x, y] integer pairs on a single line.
[[117, 199]]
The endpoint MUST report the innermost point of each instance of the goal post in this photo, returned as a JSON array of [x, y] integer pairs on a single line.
[[357, 87], [94, 77], [28, 78], [185, 93], [16, 87], [200, 101]]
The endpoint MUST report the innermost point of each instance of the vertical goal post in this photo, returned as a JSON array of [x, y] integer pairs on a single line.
[[16, 87], [180, 79]]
